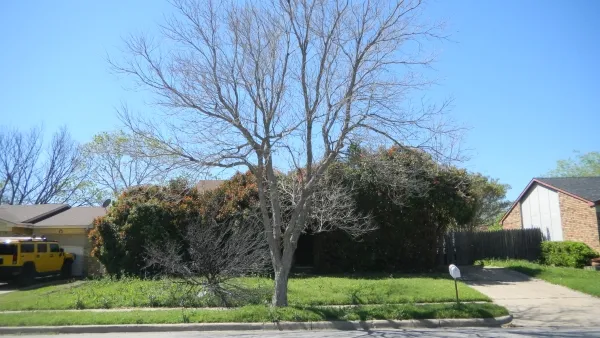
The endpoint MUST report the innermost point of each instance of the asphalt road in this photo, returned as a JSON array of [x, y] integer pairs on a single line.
[[461, 332]]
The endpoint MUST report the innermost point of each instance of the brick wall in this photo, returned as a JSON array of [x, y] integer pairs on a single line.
[[513, 220], [579, 221]]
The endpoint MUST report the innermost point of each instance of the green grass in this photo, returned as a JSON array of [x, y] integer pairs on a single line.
[[255, 313], [309, 291], [577, 279]]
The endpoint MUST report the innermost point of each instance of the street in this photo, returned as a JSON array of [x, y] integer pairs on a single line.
[[460, 332]]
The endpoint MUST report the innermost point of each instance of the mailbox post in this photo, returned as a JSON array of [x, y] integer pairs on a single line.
[[455, 273]]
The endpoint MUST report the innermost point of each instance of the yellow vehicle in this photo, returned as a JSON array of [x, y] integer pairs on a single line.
[[24, 258]]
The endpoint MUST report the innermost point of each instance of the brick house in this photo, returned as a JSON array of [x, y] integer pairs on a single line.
[[564, 208]]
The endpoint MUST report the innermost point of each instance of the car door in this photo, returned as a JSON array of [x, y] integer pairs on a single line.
[[8, 254], [27, 253], [42, 257], [55, 258]]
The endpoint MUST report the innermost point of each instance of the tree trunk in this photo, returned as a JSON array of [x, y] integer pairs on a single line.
[[282, 274], [281, 286]]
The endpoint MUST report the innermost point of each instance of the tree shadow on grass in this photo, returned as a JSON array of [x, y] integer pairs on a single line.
[[39, 283], [376, 275], [533, 272], [404, 312]]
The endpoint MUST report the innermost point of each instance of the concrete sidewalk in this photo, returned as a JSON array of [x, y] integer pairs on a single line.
[[534, 302]]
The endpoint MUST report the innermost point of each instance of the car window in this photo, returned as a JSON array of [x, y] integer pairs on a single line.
[[8, 249], [54, 248], [26, 248], [42, 247]]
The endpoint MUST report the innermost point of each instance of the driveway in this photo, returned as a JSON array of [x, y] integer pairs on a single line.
[[40, 283], [533, 302], [5, 288]]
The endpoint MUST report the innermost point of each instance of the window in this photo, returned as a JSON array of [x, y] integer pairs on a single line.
[[54, 248], [27, 248], [42, 247], [8, 249]]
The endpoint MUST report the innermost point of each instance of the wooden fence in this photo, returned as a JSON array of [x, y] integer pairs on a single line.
[[465, 247]]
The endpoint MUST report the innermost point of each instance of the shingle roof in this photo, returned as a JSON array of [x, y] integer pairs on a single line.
[[587, 188], [76, 216], [205, 185], [29, 213]]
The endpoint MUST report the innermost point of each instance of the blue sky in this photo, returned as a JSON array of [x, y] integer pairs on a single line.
[[523, 74]]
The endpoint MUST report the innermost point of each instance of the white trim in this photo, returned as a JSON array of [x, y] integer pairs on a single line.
[[34, 226]]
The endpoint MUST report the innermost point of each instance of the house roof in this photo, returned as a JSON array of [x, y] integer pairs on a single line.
[[205, 185], [587, 188], [76, 216], [30, 213]]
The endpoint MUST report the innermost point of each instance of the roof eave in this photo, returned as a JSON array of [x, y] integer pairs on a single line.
[[47, 214], [61, 226], [8, 222], [517, 200], [590, 203]]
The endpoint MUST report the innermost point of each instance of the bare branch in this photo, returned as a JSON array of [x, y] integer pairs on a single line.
[[30, 176], [212, 254], [261, 84], [116, 164]]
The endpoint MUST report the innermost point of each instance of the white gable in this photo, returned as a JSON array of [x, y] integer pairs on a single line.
[[540, 209]]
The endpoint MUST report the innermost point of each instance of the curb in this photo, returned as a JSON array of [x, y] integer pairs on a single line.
[[281, 326], [150, 309]]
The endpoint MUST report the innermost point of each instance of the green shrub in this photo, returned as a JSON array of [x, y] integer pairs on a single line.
[[568, 254], [150, 215], [412, 201]]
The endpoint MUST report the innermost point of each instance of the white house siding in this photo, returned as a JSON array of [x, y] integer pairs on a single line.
[[540, 209], [5, 228]]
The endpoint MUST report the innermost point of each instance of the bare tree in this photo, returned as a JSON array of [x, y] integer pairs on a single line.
[[30, 175], [333, 206], [19, 153], [114, 168], [285, 83], [211, 255]]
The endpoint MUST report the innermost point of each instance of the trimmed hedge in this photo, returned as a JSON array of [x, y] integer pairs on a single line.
[[568, 254]]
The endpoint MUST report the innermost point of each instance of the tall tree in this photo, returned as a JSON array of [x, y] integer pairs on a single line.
[[32, 172], [489, 198], [285, 83], [115, 169], [582, 165]]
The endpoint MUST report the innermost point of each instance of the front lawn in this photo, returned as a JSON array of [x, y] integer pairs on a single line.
[[254, 313], [310, 291], [577, 279]]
